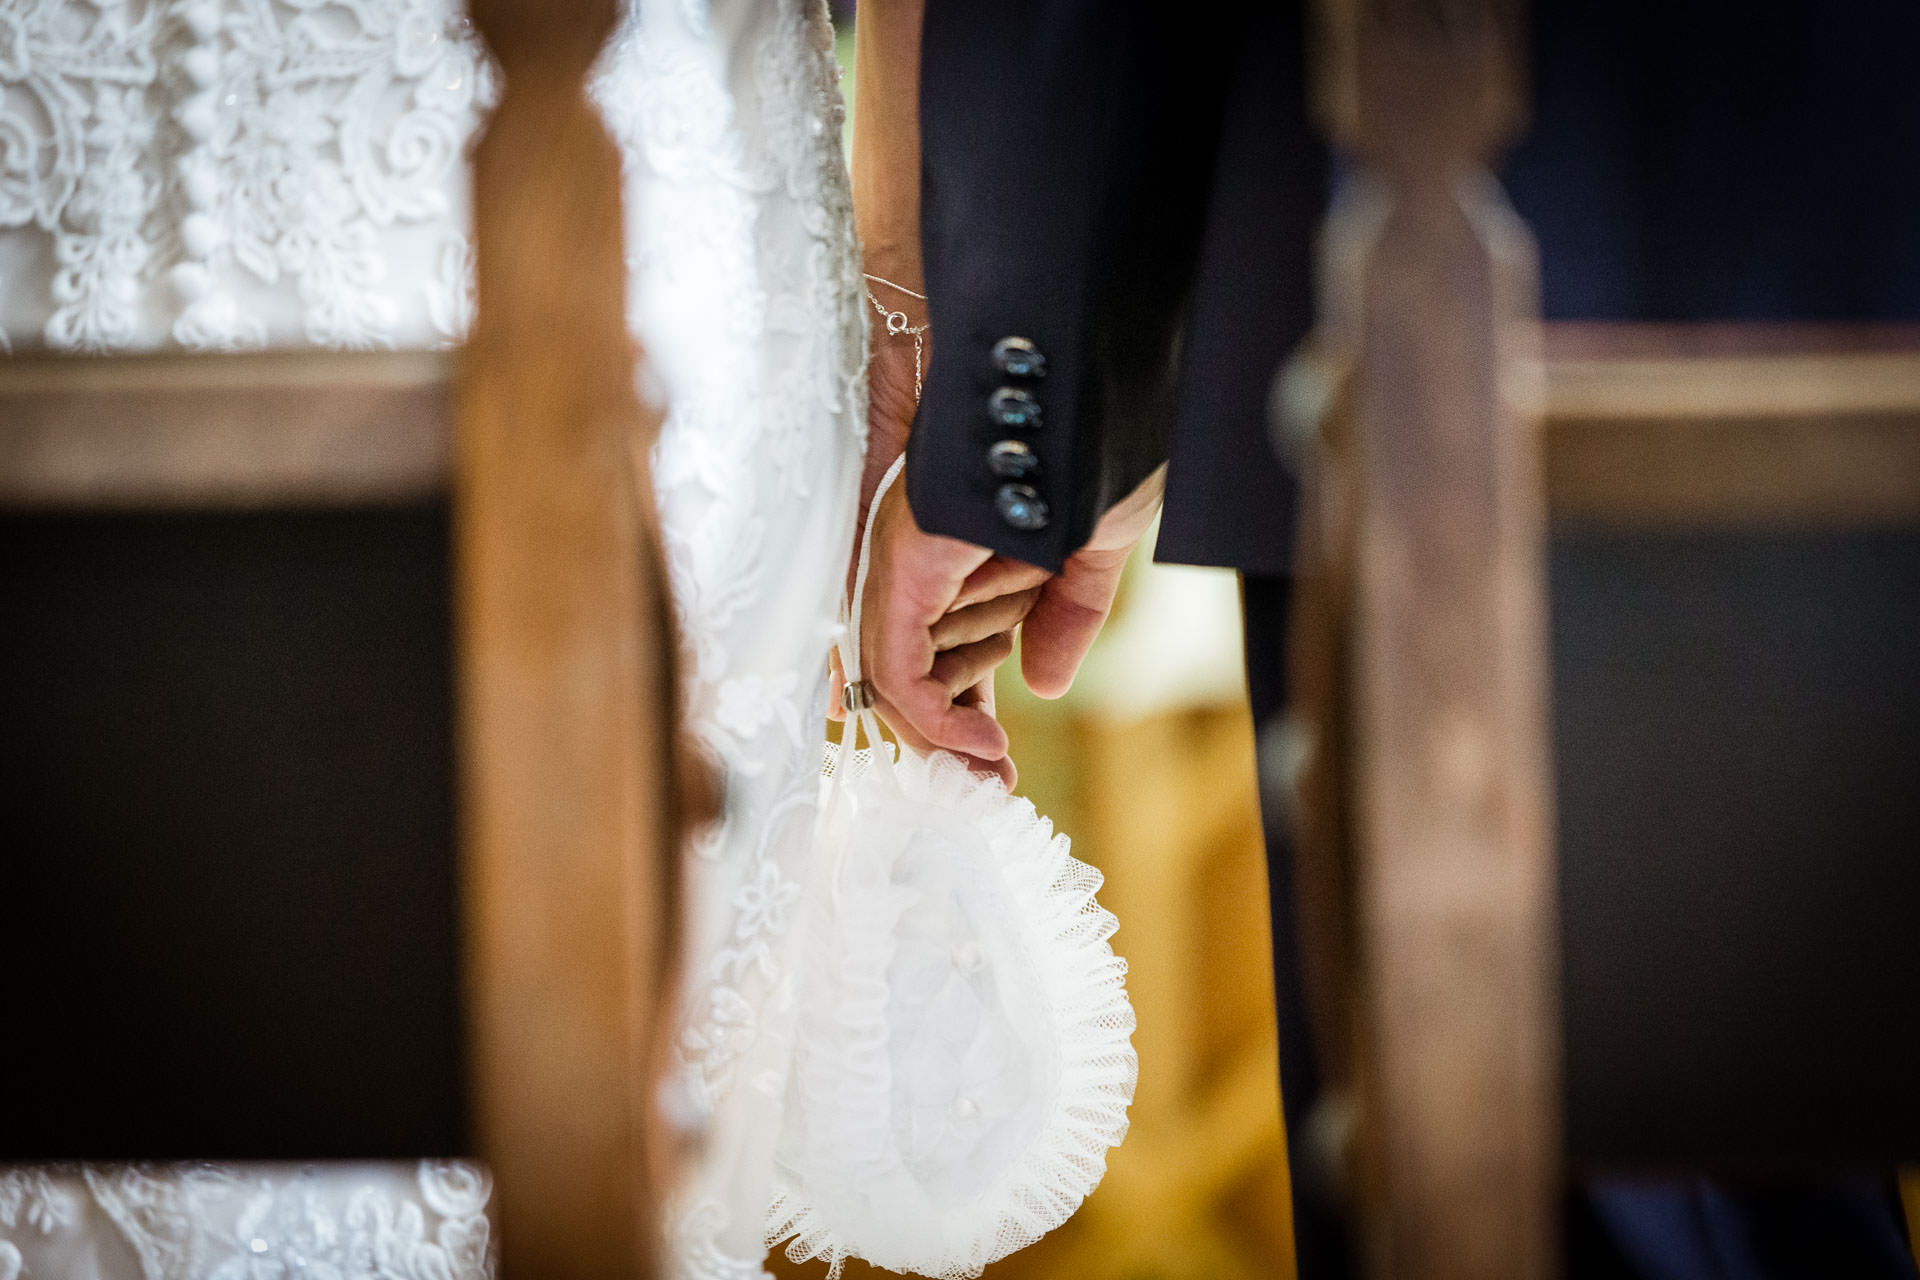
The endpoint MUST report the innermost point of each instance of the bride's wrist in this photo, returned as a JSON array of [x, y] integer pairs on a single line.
[[891, 248], [899, 324], [898, 291]]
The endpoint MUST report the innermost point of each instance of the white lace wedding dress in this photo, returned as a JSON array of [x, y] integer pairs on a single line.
[[223, 174], [747, 293]]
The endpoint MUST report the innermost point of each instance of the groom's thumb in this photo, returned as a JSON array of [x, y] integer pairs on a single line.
[[1072, 608]]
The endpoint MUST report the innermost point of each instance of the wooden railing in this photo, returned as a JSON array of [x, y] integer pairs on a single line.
[[1754, 437], [1435, 938]]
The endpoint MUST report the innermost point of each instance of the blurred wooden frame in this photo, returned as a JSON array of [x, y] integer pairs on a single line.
[[1438, 425], [1641, 427], [574, 789], [177, 432], [1755, 426], [1419, 668], [577, 789]]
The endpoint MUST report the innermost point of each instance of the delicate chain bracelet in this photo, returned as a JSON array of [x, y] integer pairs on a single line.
[[897, 323]]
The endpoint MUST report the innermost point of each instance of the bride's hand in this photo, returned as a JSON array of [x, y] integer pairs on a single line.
[[980, 695], [937, 619], [961, 649]]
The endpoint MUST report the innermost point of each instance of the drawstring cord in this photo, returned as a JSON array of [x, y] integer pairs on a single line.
[[857, 697]]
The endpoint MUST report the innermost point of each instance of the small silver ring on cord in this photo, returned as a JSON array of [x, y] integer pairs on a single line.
[[857, 696]]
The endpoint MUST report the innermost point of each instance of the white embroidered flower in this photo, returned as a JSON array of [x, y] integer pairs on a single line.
[[730, 1027], [455, 1188], [763, 903], [30, 1197]]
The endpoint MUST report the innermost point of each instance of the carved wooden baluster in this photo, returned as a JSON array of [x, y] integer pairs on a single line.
[[566, 671], [1431, 295]]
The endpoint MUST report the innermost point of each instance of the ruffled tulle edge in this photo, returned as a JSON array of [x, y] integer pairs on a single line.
[[1068, 938]]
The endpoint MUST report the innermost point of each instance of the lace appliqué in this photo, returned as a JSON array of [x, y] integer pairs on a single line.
[[77, 131], [746, 274], [232, 1222], [743, 448], [231, 173], [30, 1201]]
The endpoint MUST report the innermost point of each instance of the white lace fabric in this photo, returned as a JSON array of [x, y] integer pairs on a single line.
[[220, 174], [212, 1222], [746, 295]]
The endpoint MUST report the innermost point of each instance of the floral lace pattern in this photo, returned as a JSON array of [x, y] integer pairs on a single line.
[[234, 173], [746, 297], [221, 1222]]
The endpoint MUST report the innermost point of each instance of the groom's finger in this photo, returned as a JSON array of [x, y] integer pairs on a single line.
[[902, 666], [998, 576], [961, 668], [981, 696], [978, 622], [1068, 616], [928, 704]]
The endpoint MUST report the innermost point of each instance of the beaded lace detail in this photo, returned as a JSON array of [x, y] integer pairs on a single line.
[[217, 174], [225, 1222]]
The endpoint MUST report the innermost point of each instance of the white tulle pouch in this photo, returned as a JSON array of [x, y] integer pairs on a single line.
[[962, 1055]]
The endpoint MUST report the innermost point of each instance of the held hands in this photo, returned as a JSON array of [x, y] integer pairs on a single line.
[[937, 619], [923, 568], [939, 614]]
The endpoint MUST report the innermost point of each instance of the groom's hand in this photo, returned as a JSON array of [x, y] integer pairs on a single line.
[[939, 615]]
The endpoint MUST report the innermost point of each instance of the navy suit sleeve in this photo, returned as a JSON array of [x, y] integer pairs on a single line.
[[1066, 151]]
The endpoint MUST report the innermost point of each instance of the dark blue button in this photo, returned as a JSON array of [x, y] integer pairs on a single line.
[[1012, 460], [1021, 507], [1014, 409], [1018, 358]]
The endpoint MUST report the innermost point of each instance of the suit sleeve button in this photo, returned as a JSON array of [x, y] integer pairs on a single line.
[[1018, 358], [1021, 507], [1012, 460], [1014, 409]]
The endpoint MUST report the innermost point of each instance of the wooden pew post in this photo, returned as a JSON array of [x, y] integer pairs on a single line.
[[566, 675], [1430, 303]]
